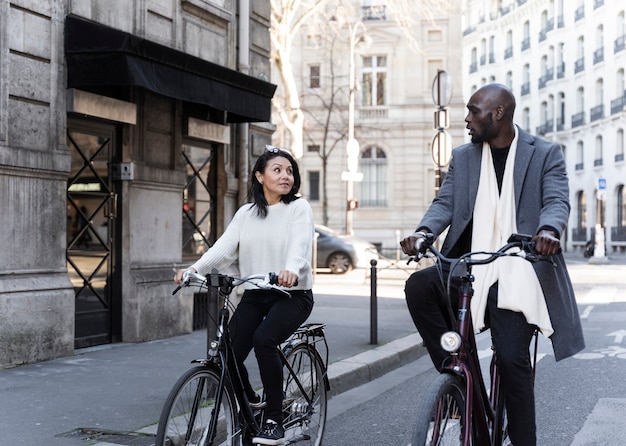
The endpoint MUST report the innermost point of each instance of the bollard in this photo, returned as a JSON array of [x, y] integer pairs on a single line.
[[373, 305]]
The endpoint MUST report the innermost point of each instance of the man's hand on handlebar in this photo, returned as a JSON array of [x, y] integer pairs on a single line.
[[411, 244], [546, 243]]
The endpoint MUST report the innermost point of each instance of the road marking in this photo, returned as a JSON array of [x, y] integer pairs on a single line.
[[585, 314], [619, 336], [599, 295]]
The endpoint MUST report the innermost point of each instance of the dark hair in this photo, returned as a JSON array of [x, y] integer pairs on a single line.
[[256, 189]]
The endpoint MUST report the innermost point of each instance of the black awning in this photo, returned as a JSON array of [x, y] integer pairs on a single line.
[[100, 56]]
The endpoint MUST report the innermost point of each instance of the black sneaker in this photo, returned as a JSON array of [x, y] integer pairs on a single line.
[[256, 402], [272, 433]]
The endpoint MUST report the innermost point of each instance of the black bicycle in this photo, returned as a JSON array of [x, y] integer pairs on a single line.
[[207, 405]]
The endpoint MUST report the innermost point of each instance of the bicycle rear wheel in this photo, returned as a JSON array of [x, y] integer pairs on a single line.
[[305, 403], [441, 414], [188, 410]]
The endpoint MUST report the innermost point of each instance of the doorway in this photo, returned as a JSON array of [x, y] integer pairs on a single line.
[[92, 226]]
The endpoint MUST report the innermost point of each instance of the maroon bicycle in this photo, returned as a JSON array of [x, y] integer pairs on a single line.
[[457, 409]]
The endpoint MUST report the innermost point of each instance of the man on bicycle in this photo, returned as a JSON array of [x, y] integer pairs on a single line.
[[505, 181]]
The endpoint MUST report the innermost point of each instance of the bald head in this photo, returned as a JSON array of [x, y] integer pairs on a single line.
[[497, 95], [490, 115]]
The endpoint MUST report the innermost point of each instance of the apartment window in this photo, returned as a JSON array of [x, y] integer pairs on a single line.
[[579, 233], [508, 51], [474, 61], [619, 145], [314, 185], [374, 185], [526, 39], [560, 119], [313, 148], [580, 156], [526, 119], [598, 54], [621, 214], [374, 78], [314, 76], [597, 162], [579, 65]]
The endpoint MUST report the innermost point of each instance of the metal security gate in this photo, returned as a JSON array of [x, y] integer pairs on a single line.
[[199, 199], [91, 228], [199, 216]]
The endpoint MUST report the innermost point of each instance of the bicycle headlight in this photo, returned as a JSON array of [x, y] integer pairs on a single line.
[[451, 341]]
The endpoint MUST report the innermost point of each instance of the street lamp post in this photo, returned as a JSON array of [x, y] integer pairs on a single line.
[[442, 143], [352, 148]]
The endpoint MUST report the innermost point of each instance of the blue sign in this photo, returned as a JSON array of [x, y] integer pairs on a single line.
[[601, 183]]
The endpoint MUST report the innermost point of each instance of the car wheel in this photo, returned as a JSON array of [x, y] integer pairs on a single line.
[[339, 263]]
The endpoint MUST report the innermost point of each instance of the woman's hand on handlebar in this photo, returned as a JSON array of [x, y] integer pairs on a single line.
[[546, 243], [287, 279], [178, 277]]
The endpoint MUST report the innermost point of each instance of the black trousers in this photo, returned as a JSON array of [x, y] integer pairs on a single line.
[[263, 320], [511, 336]]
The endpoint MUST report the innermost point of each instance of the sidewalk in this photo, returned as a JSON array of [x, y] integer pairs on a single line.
[[113, 394]]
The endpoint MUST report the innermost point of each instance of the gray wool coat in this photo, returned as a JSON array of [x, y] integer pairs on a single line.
[[542, 199]]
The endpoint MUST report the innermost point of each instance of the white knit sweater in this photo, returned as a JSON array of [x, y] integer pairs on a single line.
[[283, 240]]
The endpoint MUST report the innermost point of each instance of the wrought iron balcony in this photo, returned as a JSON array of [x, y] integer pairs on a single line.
[[618, 233], [580, 13], [617, 105], [525, 43], [579, 65], [598, 55], [619, 44], [374, 12], [525, 88], [596, 113], [545, 128], [578, 119], [579, 234]]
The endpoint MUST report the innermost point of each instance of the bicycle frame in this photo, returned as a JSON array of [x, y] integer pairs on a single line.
[[220, 351], [481, 407]]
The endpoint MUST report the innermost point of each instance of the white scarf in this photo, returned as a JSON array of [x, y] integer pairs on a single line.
[[494, 221]]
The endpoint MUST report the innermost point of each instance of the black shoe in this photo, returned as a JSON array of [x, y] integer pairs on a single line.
[[272, 433], [256, 402]]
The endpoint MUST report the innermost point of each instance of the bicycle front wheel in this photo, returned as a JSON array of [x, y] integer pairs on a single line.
[[441, 414], [304, 406], [191, 407]]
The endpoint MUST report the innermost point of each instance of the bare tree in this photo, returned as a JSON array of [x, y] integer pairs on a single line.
[[287, 18], [326, 115]]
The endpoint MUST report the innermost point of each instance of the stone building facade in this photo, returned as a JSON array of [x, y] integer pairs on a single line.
[[393, 114], [127, 131], [565, 61]]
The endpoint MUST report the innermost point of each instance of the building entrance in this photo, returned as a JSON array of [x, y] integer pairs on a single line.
[[91, 229]]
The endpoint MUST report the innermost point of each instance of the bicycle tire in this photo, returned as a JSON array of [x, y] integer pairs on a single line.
[[501, 427], [185, 420], [441, 413], [304, 422]]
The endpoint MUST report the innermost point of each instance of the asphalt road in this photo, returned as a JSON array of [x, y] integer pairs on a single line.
[[580, 400]]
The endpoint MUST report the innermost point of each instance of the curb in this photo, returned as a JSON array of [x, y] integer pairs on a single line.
[[360, 369]]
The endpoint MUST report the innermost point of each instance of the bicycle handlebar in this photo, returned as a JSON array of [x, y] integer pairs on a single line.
[[521, 241], [263, 281]]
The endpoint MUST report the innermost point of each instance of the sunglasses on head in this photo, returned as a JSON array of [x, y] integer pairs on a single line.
[[274, 149]]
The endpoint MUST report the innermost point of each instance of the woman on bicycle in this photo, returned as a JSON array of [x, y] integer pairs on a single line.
[[273, 233]]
